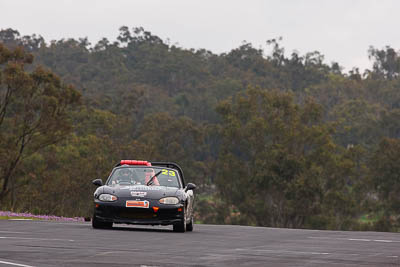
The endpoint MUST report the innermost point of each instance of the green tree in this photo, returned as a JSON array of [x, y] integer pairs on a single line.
[[386, 62], [278, 164], [33, 112], [164, 138], [385, 178]]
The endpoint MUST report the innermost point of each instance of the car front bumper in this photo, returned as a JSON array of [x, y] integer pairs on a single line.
[[118, 213]]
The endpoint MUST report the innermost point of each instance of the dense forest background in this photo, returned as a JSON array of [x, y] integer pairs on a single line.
[[270, 139]]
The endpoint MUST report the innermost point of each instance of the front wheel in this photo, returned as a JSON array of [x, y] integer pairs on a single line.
[[181, 226], [99, 224], [189, 226]]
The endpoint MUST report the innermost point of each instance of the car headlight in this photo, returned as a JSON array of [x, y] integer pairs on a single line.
[[107, 197], [169, 200]]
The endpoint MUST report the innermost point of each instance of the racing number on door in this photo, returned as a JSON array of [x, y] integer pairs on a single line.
[[168, 173]]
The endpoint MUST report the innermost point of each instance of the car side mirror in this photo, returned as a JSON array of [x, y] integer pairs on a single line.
[[190, 186], [97, 182]]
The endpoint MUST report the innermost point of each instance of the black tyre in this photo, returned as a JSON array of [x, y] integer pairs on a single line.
[[99, 224], [189, 226], [181, 227]]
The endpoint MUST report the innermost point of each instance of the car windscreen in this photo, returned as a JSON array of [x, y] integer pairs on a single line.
[[135, 175]]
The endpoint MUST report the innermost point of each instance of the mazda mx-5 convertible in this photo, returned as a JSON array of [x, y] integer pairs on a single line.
[[142, 192]]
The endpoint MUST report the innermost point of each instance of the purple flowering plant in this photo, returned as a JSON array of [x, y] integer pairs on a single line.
[[10, 214]]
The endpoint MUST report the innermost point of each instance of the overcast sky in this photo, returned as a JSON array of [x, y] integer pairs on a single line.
[[342, 30]]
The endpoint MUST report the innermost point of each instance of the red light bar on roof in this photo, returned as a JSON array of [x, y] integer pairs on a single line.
[[135, 162]]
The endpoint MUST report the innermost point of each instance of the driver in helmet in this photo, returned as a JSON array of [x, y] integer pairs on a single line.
[[125, 176]]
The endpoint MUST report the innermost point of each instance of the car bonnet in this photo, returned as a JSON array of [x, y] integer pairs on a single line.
[[142, 191]]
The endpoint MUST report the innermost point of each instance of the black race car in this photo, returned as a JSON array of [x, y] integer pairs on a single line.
[[142, 192]]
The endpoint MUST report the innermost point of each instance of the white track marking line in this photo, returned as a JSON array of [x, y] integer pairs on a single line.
[[110, 252], [284, 251], [14, 232], [356, 239], [15, 264], [386, 241], [34, 238], [20, 219]]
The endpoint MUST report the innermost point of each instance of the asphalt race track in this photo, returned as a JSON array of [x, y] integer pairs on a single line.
[[41, 243]]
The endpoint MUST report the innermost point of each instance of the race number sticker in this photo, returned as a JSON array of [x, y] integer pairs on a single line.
[[167, 172], [137, 204]]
